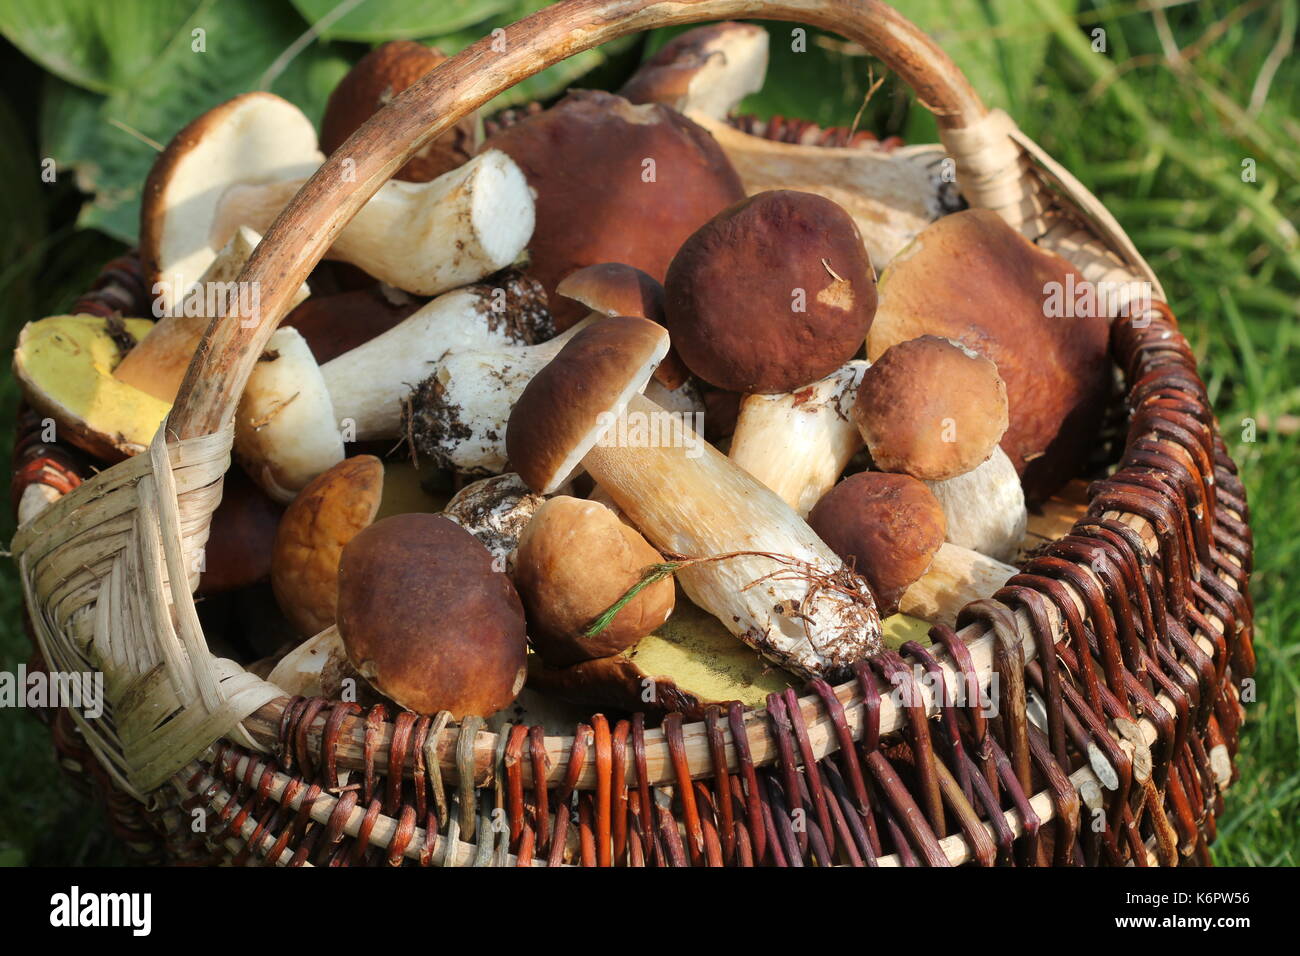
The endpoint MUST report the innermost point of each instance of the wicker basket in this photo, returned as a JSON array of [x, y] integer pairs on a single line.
[[1139, 713]]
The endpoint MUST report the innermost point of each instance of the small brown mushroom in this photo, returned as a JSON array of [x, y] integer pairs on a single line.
[[930, 409], [709, 69], [889, 527], [615, 183], [427, 621], [379, 76], [772, 293], [575, 560]]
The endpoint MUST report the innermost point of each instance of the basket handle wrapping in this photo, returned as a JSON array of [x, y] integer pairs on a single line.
[[313, 219]]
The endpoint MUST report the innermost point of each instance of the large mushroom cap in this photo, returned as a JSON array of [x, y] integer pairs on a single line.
[[571, 403], [773, 293], [575, 560], [615, 183], [931, 409], [972, 278], [252, 139], [887, 526], [369, 86], [427, 620], [327, 514], [708, 69]]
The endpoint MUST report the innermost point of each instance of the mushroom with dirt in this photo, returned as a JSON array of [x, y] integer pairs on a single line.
[[495, 510], [426, 619], [241, 162], [936, 410], [747, 557], [575, 560]]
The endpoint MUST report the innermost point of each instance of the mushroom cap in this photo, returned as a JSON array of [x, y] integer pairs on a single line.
[[327, 514], [241, 536], [709, 69], [597, 198], [887, 526], [772, 293], [427, 620], [64, 364], [252, 139], [575, 560], [570, 404], [972, 278], [376, 78], [931, 409], [611, 288]]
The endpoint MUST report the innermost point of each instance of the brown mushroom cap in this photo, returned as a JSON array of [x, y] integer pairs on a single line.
[[611, 288], [328, 513], [972, 278], [575, 560], [931, 409], [241, 537], [887, 526], [772, 293], [427, 621], [378, 77], [562, 412], [596, 200]]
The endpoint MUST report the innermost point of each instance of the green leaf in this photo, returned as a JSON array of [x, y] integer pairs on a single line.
[[107, 141], [95, 44], [549, 82], [375, 21]]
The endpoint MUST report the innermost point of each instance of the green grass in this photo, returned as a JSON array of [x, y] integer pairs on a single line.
[[1161, 140]]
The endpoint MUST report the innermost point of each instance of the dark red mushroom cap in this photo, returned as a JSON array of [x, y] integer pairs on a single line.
[[886, 526], [772, 293], [562, 412]]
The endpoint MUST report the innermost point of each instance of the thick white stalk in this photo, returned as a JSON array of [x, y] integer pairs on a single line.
[[985, 507], [688, 498]]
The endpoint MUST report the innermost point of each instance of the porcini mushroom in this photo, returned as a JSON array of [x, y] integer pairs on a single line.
[[709, 69], [971, 278], [495, 510], [293, 413], [599, 165], [241, 162], [457, 416], [576, 559], [371, 84], [64, 365], [763, 572], [426, 619], [241, 536], [771, 294], [936, 411]]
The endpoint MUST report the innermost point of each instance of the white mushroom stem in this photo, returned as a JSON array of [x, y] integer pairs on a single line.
[[461, 419], [425, 238], [891, 197], [985, 508], [799, 443], [315, 668], [368, 384], [792, 609], [495, 510], [956, 577], [715, 68], [158, 362]]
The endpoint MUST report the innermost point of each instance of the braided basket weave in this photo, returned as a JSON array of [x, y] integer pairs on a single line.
[[1132, 627]]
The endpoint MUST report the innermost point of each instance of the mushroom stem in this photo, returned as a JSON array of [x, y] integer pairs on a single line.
[[956, 577], [985, 507], [799, 443], [425, 238], [803, 610]]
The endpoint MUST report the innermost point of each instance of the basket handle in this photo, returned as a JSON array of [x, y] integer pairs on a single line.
[[313, 219]]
